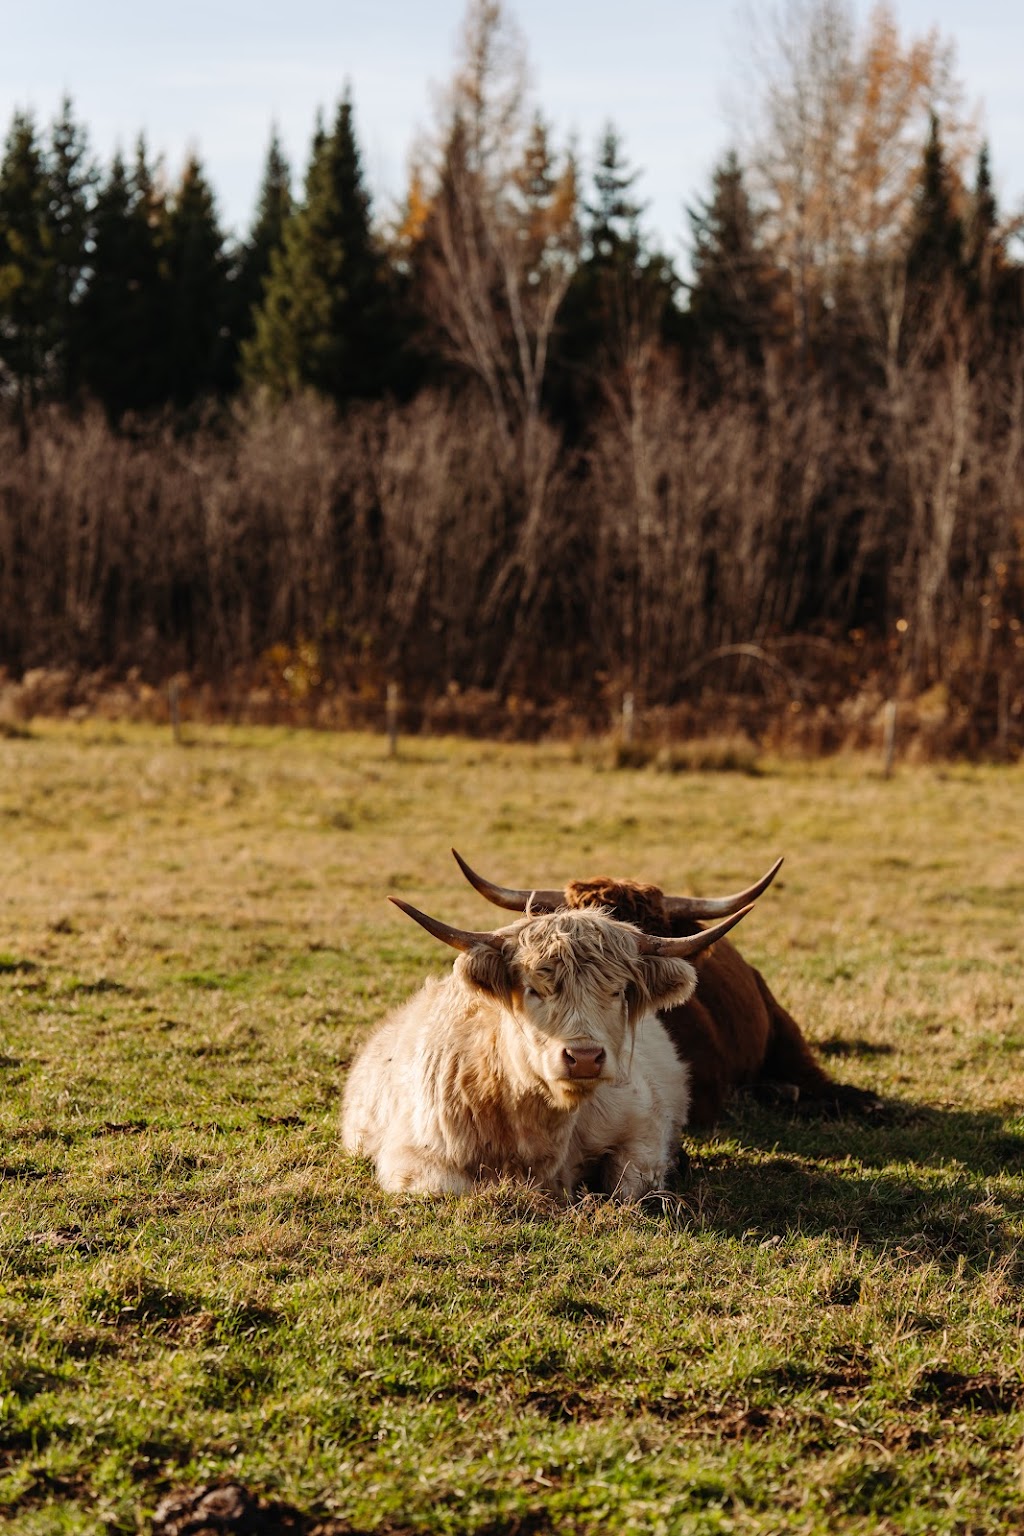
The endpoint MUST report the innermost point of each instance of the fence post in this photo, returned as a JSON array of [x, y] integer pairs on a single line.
[[174, 705], [392, 718], [627, 716], [889, 738]]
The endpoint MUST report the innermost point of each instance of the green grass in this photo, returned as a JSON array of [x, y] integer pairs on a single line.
[[819, 1331]]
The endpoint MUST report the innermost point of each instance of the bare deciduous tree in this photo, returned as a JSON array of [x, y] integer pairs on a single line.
[[835, 124], [500, 241]]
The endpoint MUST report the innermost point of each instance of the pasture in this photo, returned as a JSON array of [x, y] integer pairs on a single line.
[[818, 1330]]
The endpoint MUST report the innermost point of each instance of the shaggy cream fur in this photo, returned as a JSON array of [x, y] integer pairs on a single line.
[[473, 1078]]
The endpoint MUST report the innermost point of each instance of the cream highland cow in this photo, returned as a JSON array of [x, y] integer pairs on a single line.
[[540, 1057]]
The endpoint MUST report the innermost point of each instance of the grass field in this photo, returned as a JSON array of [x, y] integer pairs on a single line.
[[819, 1331]]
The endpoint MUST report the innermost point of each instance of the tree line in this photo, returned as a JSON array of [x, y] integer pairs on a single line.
[[499, 440]]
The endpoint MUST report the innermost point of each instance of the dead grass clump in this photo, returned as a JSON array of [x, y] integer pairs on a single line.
[[703, 754], [10, 731], [710, 754]]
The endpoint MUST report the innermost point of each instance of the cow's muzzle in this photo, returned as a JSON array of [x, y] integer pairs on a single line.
[[583, 1062]]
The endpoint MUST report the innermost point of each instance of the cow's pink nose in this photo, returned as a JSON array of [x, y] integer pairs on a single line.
[[584, 1060]]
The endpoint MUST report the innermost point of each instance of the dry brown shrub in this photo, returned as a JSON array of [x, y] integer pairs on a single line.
[[757, 565]]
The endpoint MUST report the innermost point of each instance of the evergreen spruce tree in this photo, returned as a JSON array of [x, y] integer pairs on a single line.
[[286, 320], [123, 320], [623, 289], [732, 293], [937, 286], [935, 247], [252, 269], [27, 266], [198, 358], [612, 217], [72, 177], [326, 321], [982, 249]]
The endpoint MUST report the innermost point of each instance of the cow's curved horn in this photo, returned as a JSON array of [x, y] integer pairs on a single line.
[[458, 938], [721, 906], [504, 896], [692, 943]]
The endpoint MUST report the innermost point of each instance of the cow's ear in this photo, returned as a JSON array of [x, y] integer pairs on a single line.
[[485, 967], [668, 982]]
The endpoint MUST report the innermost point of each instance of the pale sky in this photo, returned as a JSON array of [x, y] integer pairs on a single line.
[[212, 75]]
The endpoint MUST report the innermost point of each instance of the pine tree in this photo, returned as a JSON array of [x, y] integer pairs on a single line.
[[295, 304], [72, 177], [273, 210], [27, 265], [935, 247], [326, 321], [123, 319], [732, 293], [612, 222], [198, 357], [623, 293], [982, 248]]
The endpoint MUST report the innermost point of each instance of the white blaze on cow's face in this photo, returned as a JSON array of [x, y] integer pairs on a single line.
[[575, 984]]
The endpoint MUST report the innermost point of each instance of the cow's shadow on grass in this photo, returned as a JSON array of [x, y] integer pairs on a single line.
[[944, 1185]]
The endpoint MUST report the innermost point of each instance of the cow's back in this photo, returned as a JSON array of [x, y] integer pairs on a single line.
[[722, 1032]]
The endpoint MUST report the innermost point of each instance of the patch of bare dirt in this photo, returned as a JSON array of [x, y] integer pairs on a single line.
[[231, 1509], [985, 1392]]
